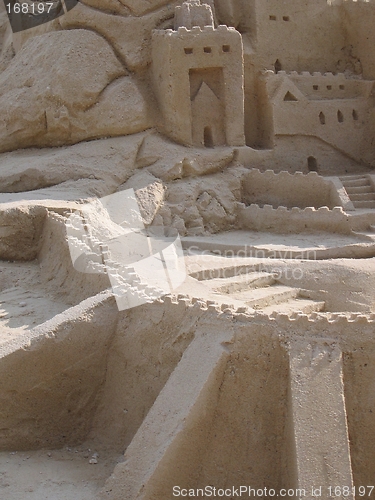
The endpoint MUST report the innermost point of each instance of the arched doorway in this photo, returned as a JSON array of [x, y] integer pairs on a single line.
[[312, 164], [208, 138], [207, 107]]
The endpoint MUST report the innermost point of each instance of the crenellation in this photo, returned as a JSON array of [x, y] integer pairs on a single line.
[[339, 320], [295, 219], [241, 310], [200, 304], [225, 307], [206, 86], [279, 176], [242, 318], [228, 312]]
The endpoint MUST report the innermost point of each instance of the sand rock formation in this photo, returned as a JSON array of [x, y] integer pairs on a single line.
[[51, 106]]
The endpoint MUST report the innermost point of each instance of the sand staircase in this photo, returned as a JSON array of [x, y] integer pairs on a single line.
[[360, 190], [261, 291]]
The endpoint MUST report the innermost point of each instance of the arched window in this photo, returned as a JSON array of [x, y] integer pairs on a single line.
[[277, 66], [340, 116], [322, 118], [312, 164], [355, 115]]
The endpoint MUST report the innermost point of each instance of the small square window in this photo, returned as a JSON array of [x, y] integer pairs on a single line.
[[272, 18], [188, 51], [342, 87], [286, 18], [208, 50], [226, 48], [329, 87], [316, 87]]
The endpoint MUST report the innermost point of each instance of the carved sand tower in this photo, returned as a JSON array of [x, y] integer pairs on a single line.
[[198, 79]]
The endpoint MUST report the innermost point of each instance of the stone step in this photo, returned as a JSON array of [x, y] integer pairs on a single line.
[[364, 204], [262, 297], [304, 306], [358, 189], [241, 282], [356, 182], [362, 197], [353, 177]]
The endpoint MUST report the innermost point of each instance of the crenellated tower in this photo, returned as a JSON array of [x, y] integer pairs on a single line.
[[199, 79]]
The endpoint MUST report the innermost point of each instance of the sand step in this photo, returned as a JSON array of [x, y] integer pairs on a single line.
[[304, 306], [260, 298], [241, 282], [364, 204], [356, 182], [358, 189], [362, 197], [353, 177]]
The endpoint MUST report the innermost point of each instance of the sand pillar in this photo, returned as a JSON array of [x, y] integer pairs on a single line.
[[321, 441]]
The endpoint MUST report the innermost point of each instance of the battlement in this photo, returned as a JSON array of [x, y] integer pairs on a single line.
[[295, 210], [315, 74], [193, 13], [344, 2], [285, 175], [287, 189], [182, 31], [325, 85], [201, 44], [322, 320], [294, 220]]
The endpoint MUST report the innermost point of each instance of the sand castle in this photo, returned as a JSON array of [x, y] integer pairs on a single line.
[[248, 128]]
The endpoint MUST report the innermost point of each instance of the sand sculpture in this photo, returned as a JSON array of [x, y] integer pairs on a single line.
[[248, 128]]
